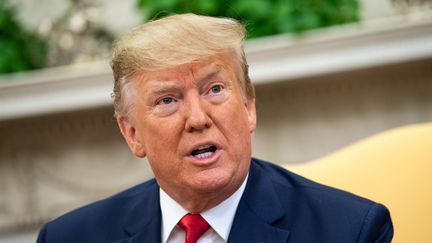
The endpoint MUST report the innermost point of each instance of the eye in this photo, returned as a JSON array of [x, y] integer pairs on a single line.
[[217, 93], [166, 106], [216, 89], [167, 100]]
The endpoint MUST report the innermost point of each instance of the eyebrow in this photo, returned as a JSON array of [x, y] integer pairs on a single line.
[[164, 88], [215, 70]]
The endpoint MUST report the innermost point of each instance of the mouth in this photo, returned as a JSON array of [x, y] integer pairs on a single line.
[[204, 151]]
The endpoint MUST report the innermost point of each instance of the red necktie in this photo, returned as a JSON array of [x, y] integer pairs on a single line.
[[194, 225]]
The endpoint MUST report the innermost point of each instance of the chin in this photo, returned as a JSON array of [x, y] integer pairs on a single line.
[[215, 182]]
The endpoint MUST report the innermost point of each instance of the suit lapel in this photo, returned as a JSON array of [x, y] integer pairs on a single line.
[[143, 222], [258, 210]]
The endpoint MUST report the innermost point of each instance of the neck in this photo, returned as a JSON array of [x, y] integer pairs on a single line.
[[198, 202]]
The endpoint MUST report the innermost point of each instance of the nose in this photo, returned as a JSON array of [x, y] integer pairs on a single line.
[[197, 114]]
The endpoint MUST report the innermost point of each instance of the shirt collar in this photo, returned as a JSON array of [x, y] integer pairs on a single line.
[[220, 217]]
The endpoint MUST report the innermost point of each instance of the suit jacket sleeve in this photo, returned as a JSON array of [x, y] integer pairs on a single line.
[[377, 226]]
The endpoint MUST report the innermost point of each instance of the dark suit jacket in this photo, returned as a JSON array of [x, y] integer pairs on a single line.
[[276, 206]]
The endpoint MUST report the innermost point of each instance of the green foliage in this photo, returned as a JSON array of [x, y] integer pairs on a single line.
[[263, 17], [19, 49]]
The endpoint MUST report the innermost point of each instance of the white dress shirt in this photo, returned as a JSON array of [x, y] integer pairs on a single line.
[[220, 218]]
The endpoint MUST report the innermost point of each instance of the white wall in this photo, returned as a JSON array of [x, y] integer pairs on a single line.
[[28, 237]]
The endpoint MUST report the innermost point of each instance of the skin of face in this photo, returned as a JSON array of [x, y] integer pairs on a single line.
[[176, 111]]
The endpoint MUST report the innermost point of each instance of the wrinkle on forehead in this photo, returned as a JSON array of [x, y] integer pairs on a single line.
[[199, 71]]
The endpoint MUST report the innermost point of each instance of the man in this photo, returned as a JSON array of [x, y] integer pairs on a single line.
[[184, 100]]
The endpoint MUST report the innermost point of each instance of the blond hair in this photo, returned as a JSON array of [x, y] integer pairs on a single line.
[[172, 41]]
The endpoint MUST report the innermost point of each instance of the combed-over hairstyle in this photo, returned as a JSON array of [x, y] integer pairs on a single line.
[[172, 41]]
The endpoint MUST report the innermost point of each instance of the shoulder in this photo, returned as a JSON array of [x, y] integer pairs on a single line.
[[285, 180], [101, 218], [331, 210]]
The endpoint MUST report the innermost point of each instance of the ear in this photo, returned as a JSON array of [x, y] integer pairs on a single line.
[[129, 133], [251, 112]]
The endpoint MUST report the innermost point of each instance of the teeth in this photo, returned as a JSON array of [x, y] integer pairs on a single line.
[[204, 146], [204, 155]]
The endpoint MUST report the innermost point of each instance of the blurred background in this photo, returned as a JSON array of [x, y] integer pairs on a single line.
[[327, 74]]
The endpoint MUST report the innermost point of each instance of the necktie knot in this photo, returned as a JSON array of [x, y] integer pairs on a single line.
[[194, 225]]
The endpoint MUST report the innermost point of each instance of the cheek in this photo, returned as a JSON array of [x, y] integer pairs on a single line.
[[236, 125], [161, 137]]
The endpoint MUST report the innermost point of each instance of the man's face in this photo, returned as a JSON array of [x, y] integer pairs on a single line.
[[194, 124]]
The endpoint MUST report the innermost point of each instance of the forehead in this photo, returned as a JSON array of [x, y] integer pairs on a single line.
[[216, 64]]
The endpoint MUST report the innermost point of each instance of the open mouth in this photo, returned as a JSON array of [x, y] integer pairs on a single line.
[[204, 151]]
